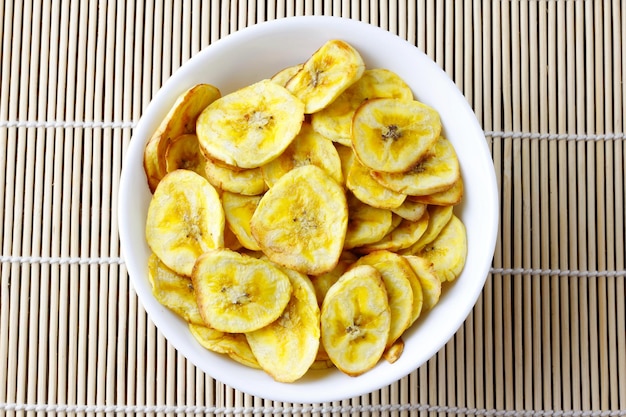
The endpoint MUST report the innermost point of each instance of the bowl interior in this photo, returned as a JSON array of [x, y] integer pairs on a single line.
[[259, 52]]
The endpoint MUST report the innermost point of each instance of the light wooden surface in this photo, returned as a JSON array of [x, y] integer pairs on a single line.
[[545, 78]]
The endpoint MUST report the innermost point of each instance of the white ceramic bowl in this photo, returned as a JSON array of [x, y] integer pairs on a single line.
[[259, 52]]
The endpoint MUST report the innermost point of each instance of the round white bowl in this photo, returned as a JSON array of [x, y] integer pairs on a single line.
[[256, 53]]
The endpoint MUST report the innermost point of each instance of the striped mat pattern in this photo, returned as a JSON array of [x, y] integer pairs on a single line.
[[546, 80]]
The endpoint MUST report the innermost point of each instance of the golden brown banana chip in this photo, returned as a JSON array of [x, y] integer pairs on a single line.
[[251, 126], [287, 347], [235, 180], [301, 221], [393, 352], [235, 345], [448, 251], [368, 190], [346, 156], [181, 119], [436, 172], [355, 320], [393, 135], [238, 210], [173, 291], [185, 219], [431, 285], [308, 148], [237, 293], [326, 74], [335, 120]]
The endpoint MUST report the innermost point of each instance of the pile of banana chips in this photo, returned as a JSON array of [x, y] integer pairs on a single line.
[[305, 221]]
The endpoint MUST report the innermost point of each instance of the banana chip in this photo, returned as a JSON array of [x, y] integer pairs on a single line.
[[235, 345], [181, 119], [366, 224], [403, 236], [449, 197], [183, 152], [448, 251], [438, 217], [393, 135], [308, 148], [369, 191], [355, 320], [403, 290], [301, 221], [437, 171], [431, 285], [239, 210], [173, 291], [335, 120], [326, 74], [283, 76], [235, 180], [251, 126], [238, 293], [287, 347], [185, 219]]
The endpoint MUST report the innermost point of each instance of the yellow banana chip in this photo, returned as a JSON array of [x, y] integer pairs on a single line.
[[335, 120], [241, 181], [181, 119], [410, 210], [323, 282], [251, 126], [393, 135], [173, 291], [235, 345], [431, 285], [238, 210], [368, 190], [301, 221], [403, 290], [403, 236], [185, 219], [308, 148], [237, 293], [448, 251], [355, 320], [438, 217], [283, 76], [393, 352], [287, 347], [326, 74], [449, 197], [366, 224], [436, 172], [183, 152]]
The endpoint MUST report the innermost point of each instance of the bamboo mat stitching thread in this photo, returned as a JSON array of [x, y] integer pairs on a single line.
[[110, 409]]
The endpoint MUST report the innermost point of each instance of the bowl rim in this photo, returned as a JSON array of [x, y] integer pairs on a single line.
[[258, 385]]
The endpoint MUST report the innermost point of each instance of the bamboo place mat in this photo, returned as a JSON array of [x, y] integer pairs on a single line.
[[545, 78]]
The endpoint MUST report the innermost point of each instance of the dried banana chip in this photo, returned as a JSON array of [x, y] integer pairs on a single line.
[[251, 126], [431, 285], [393, 135], [403, 236], [183, 152], [448, 251], [238, 210], [237, 293], [235, 180], [181, 119], [436, 172], [410, 210], [438, 217], [308, 148], [335, 120], [368, 190], [283, 76], [185, 219], [355, 320], [326, 74], [287, 347], [449, 197], [235, 345], [366, 224], [301, 221], [173, 291], [403, 289]]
